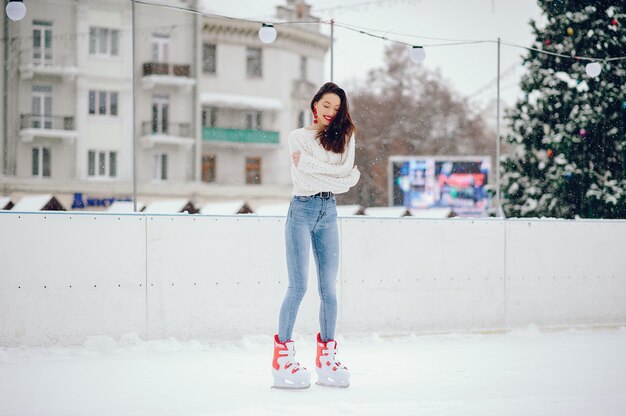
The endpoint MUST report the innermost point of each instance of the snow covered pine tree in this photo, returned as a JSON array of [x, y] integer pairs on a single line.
[[568, 138]]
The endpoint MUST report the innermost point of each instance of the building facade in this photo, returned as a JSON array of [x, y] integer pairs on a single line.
[[213, 104]]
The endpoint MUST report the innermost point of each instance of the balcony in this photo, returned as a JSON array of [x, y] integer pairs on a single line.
[[44, 126], [161, 73], [239, 136], [179, 134], [44, 63]]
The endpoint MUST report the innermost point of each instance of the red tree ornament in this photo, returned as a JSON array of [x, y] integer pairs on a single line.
[[550, 153], [547, 41], [614, 22]]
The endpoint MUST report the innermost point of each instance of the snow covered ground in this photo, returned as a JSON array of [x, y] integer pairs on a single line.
[[522, 372]]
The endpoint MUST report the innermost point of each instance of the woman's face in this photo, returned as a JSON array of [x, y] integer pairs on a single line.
[[327, 108]]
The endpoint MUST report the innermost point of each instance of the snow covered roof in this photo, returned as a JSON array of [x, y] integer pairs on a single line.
[[125, 206], [172, 206], [242, 102], [345, 210], [5, 202], [432, 213], [272, 209], [225, 208], [387, 212], [38, 203]]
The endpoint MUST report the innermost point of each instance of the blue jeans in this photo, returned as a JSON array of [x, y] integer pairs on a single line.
[[311, 219]]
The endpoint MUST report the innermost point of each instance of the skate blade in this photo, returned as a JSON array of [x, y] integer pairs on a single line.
[[336, 386], [294, 387]]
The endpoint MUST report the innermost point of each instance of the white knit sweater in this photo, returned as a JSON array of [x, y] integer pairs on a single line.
[[318, 169]]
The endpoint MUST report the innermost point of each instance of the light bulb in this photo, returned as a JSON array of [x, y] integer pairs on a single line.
[[417, 54], [593, 69], [16, 10], [267, 33]]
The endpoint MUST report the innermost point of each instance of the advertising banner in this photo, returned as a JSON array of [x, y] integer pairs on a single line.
[[458, 183]]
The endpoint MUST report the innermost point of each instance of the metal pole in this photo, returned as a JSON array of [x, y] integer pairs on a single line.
[[500, 212], [332, 42], [133, 117], [197, 131], [5, 97]]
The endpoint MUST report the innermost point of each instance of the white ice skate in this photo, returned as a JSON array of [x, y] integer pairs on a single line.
[[287, 372], [330, 373]]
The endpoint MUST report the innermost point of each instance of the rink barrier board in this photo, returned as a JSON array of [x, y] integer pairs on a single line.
[[218, 277], [432, 275], [64, 277], [565, 273], [223, 277]]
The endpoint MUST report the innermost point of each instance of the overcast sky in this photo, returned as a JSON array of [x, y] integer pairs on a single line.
[[470, 69]]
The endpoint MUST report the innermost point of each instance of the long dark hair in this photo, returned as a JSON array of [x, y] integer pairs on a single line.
[[336, 136]]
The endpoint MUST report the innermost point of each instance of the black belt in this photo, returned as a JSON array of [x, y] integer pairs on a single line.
[[324, 195]]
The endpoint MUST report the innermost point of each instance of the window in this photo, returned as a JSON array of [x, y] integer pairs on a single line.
[[107, 102], [41, 162], [41, 107], [102, 164], [208, 58], [253, 63], [209, 116], [254, 120], [92, 102], [102, 103], [303, 63], [253, 170], [159, 166], [160, 110], [103, 42], [42, 42], [208, 168], [160, 48], [113, 104]]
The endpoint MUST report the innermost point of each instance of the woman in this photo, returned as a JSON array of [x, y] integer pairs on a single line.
[[322, 157]]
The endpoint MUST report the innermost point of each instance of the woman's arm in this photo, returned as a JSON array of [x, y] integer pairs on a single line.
[[321, 181], [309, 164]]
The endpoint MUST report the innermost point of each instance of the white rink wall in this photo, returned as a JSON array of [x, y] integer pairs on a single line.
[[66, 276]]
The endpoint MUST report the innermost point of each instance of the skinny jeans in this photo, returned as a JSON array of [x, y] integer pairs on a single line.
[[311, 222]]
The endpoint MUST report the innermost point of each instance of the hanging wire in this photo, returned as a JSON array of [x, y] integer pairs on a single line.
[[368, 32], [364, 32], [361, 4], [585, 58], [346, 25]]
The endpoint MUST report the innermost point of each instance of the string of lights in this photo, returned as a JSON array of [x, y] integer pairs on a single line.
[[268, 34]]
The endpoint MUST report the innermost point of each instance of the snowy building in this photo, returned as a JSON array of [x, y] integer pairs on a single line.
[[213, 104], [253, 95], [40, 130]]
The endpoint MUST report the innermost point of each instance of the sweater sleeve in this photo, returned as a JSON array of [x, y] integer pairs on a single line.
[[311, 165], [313, 175], [316, 181]]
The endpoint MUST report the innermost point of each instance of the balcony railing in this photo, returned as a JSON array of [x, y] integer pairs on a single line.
[[170, 129], [214, 134], [160, 68], [45, 122], [40, 61]]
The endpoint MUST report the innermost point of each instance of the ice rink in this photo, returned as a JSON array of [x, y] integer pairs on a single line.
[[521, 372]]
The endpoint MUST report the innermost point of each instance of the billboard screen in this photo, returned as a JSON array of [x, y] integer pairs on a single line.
[[457, 183]]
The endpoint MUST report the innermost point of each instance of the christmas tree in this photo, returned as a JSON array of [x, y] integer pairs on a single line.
[[567, 156]]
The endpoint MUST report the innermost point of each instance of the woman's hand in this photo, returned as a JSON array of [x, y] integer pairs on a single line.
[[295, 158]]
